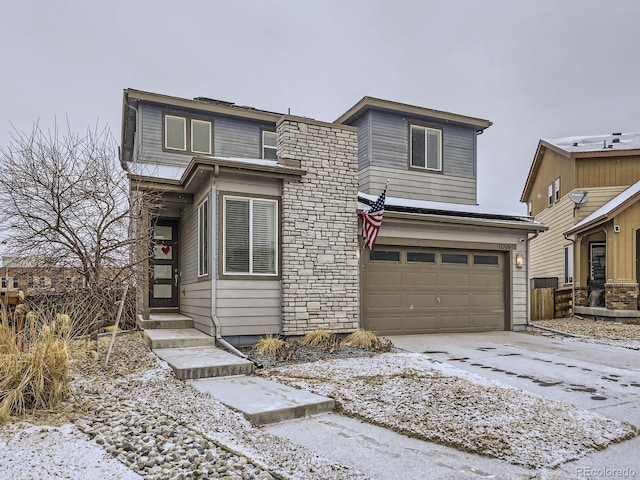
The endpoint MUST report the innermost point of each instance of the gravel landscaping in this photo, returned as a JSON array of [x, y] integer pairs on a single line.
[[135, 419], [606, 332]]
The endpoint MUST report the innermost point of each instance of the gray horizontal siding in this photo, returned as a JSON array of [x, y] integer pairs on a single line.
[[406, 184], [364, 140], [249, 307], [195, 302], [232, 137], [189, 245], [390, 144]]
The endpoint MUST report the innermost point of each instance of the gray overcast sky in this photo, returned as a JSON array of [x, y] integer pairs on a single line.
[[535, 68]]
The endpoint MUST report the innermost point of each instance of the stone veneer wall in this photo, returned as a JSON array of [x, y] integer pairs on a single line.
[[320, 285], [621, 296], [581, 297]]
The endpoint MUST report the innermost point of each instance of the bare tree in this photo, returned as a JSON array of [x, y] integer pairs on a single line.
[[65, 202]]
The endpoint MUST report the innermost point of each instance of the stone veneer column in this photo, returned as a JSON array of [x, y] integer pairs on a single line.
[[320, 285], [621, 296]]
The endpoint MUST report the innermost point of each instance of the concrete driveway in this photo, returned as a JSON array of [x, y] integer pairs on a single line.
[[600, 378]]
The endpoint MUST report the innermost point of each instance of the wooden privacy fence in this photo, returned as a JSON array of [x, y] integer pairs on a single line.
[[548, 303]]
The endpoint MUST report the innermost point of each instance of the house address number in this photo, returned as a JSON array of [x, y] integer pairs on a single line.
[[506, 246]]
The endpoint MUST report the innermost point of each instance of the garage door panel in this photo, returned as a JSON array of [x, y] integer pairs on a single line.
[[385, 323], [402, 296], [420, 278], [490, 321], [454, 279], [385, 302], [486, 300], [492, 279], [387, 277], [453, 322], [422, 323], [411, 302], [455, 300]]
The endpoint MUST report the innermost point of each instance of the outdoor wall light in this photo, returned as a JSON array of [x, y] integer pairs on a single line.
[[519, 261]]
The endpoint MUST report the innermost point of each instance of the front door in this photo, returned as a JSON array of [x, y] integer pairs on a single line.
[[598, 263], [163, 265]]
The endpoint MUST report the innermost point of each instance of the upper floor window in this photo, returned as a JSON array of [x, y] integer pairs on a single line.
[[15, 282], [556, 189], [269, 145], [550, 195], [5, 282], [250, 240], [187, 135], [426, 148]]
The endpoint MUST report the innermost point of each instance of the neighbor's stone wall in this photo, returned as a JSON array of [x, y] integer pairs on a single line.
[[319, 227], [621, 296], [581, 296]]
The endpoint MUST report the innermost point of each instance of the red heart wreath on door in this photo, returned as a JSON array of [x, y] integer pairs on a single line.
[[166, 249]]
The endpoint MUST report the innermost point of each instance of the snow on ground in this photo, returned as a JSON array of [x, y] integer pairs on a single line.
[[460, 409], [413, 395]]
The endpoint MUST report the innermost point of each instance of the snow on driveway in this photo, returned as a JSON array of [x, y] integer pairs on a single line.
[[412, 394]]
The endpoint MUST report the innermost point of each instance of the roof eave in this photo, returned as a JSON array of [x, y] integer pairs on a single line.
[[371, 102]]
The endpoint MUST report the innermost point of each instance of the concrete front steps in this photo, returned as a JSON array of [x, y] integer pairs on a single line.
[[194, 357]]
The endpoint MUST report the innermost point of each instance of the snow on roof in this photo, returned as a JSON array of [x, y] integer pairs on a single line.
[[443, 207], [595, 143], [608, 207], [155, 170], [173, 172]]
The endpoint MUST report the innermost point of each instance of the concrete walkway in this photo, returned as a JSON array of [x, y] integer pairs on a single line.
[[194, 357]]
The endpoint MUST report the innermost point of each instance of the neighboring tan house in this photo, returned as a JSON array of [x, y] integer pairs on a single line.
[[260, 228], [586, 190]]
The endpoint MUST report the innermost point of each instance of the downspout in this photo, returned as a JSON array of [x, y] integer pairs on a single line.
[[227, 345]]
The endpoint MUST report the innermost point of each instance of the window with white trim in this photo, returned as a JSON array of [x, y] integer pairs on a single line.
[[187, 135], [426, 148], [203, 238], [250, 236], [550, 195], [269, 145], [175, 132], [568, 264], [201, 136], [556, 189]]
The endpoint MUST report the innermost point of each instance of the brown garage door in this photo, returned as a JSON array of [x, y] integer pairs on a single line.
[[417, 290]]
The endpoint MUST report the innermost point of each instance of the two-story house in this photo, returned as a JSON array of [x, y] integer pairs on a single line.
[[259, 231], [586, 190]]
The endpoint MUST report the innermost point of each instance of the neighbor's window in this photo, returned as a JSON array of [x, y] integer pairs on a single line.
[[15, 282], [54, 282], [550, 195], [556, 189], [426, 148], [203, 238], [30, 282], [175, 132], [269, 144], [42, 282], [201, 136], [568, 264], [250, 239], [4, 282]]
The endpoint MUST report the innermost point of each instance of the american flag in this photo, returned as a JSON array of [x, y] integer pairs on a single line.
[[372, 220]]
